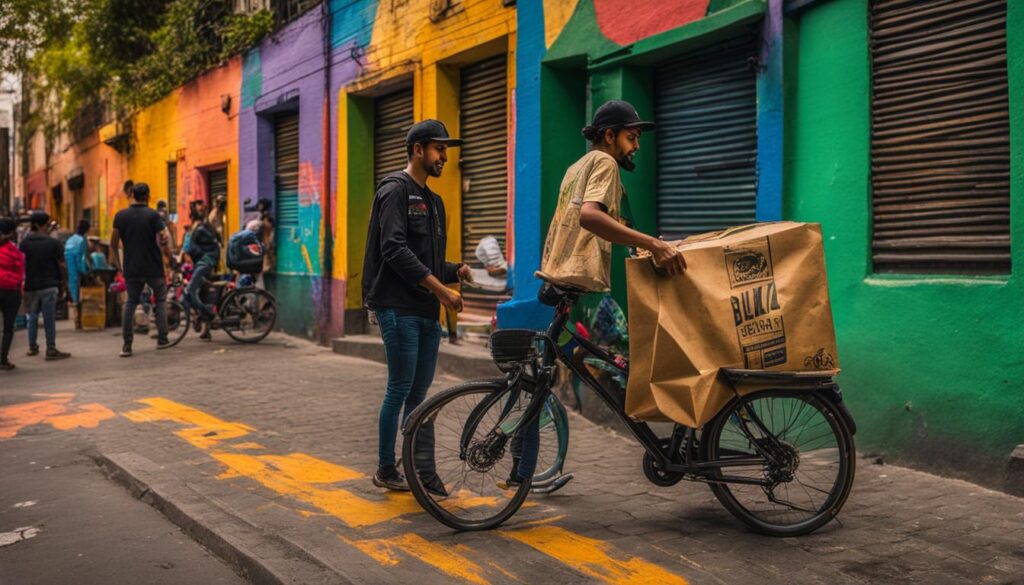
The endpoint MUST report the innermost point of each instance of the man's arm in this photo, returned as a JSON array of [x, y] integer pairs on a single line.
[[596, 220], [115, 249]]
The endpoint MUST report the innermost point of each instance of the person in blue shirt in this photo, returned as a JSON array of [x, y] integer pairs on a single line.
[[76, 249], [204, 250]]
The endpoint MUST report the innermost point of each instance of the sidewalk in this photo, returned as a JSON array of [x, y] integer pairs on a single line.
[[264, 454]]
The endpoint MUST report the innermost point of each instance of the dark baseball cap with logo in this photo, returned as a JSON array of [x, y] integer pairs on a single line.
[[619, 114], [430, 131]]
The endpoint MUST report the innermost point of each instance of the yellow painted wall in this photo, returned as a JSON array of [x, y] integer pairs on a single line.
[[405, 42]]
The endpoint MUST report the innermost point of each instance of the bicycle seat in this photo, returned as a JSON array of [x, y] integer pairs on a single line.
[[554, 291]]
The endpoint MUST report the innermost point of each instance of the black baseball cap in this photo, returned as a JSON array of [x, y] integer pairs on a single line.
[[619, 114], [430, 131]]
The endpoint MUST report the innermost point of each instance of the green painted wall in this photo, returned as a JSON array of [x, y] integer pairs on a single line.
[[933, 368], [361, 189]]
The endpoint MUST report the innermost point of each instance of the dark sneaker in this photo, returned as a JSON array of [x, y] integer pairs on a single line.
[[509, 484], [434, 486], [390, 478], [6, 366], [126, 350], [53, 353], [162, 343], [32, 351]]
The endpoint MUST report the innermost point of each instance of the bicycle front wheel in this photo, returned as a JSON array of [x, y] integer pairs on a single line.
[[248, 315], [798, 449], [457, 458]]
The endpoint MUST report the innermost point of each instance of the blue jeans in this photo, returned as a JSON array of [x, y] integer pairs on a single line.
[[194, 292], [410, 346], [42, 301]]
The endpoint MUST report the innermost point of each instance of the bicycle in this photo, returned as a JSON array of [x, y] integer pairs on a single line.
[[246, 313], [753, 454]]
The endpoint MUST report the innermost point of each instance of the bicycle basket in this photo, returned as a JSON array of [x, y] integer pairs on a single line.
[[513, 346]]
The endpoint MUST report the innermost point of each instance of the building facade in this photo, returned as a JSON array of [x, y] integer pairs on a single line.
[[896, 125]]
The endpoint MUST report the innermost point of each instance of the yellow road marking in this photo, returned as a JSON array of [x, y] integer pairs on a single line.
[[206, 431], [55, 411], [452, 560], [592, 557], [343, 504]]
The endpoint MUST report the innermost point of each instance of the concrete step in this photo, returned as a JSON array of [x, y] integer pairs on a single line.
[[465, 361]]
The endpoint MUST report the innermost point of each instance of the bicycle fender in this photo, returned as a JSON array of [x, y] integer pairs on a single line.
[[835, 396]]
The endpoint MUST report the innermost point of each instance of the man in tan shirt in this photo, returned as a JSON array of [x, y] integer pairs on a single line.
[[588, 218]]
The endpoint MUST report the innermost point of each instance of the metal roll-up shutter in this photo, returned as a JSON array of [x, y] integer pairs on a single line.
[[286, 173], [940, 141], [392, 117], [483, 162], [218, 184], [706, 108], [172, 187]]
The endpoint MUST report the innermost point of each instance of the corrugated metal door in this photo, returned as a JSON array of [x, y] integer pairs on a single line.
[[392, 117], [172, 187], [286, 184], [706, 110], [218, 184], [483, 160], [940, 144]]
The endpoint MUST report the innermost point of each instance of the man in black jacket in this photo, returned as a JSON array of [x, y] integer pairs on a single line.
[[404, 277]]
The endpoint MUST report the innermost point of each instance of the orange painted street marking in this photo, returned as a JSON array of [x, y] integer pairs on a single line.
[[54, 411], [592, 557], [452, 560]]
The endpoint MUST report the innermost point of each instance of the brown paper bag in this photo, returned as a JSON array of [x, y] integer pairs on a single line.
[[752, 297]]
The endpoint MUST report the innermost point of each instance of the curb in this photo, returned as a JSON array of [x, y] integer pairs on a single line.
[[260, 557], [463, 361]]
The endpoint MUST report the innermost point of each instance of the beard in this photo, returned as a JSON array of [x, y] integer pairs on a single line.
[[627, 163], [433, 170]]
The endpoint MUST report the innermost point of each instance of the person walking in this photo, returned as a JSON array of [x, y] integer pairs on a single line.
[[76, 248], [405, 273], [145, 243], [45, 276], [12, 276]]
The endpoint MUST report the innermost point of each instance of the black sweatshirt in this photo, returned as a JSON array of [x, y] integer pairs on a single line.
[[405, 242]]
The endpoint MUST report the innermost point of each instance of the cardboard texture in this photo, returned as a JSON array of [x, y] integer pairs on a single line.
[[93, 307], [752, 297]]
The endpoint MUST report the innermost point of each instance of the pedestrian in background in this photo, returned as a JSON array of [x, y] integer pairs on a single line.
[[405, 273], [12, 276], [145, 245], [204, 250], [76, 248], [45, 276]]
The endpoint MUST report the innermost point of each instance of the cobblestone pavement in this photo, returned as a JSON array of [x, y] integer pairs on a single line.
[[283, 436]]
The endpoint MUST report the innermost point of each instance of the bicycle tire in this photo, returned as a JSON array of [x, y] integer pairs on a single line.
[[225, 310], [846, 460], [428, 411], [179, 319]]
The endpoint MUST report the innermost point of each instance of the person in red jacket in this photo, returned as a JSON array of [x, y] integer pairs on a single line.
[[12, 275]]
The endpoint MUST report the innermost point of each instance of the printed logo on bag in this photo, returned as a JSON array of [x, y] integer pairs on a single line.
[[822, 360], [749, 264], [755, 305]]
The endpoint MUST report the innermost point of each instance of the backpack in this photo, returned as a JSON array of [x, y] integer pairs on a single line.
[[245, 253]]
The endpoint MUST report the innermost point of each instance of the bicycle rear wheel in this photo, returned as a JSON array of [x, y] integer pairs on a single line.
[[178, 320], [806, 460], [454, 440], [248, 315]]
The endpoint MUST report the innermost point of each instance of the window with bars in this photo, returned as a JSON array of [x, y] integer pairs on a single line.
[[940, 146]]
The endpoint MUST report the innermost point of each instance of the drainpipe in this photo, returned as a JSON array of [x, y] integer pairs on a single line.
[[327, 258]]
